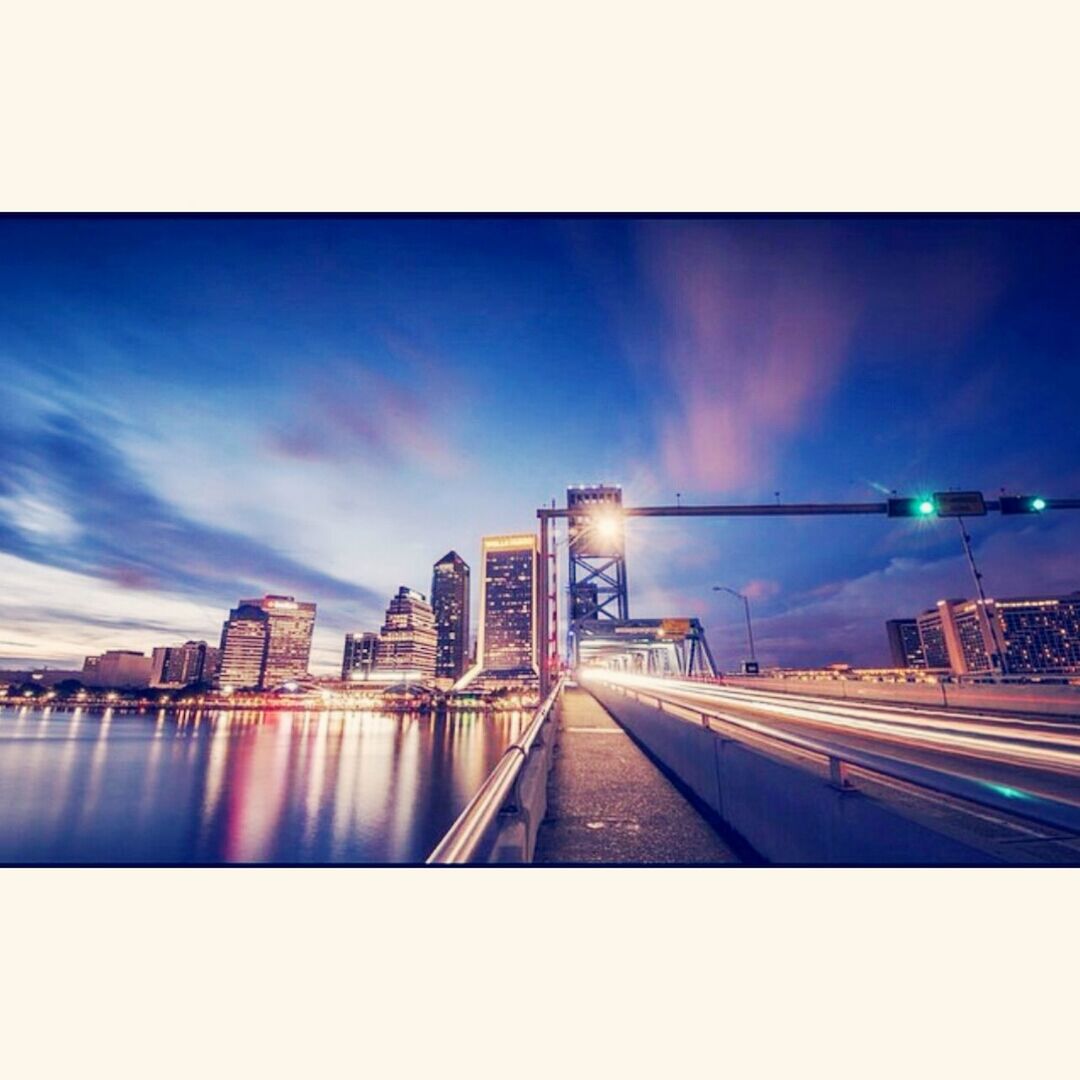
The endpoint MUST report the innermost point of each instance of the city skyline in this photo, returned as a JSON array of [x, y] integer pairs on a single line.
[[194, 399]]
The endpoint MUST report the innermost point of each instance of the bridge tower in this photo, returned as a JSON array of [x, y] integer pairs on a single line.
[[596, 541]]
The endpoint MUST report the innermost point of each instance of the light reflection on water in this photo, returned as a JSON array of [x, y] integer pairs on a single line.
[[202, 786]]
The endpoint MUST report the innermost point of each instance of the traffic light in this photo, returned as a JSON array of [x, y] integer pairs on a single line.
[[1023, 504], [922, 507]]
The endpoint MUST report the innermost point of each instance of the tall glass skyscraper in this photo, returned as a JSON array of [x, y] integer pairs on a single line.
[[450, 602], [508, 630]]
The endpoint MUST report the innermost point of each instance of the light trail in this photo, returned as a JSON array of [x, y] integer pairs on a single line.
[[1056, 751]]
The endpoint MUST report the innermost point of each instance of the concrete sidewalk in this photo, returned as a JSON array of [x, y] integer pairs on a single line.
[[608, 803]]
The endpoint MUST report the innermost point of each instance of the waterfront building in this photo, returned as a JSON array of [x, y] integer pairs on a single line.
[[450, 603], [243, 648], [266, 643], [408, 639], [361, 655], [507, 646], [117, 669], [182, 665], [905, 645]]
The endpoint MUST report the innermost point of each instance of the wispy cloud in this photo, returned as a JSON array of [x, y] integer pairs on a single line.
[[400, 417], [70, 500]]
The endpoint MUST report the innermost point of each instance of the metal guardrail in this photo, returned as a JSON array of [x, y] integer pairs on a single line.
[[472, 837], [1004, 799]]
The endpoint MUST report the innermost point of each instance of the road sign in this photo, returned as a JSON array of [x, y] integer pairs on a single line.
[[674, 628], [959, 503]]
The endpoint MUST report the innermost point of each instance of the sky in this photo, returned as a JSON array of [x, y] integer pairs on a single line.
[[199, 409]]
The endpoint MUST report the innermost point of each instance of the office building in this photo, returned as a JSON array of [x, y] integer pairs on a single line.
[[361, 655], [932, 639], [243, 648], [450, 603], [182, 665], [507, 647], [266, 643], [407, 640], [905, 646], [1019, 636], [117, 669]]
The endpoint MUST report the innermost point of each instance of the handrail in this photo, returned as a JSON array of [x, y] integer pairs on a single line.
[[469, 839], [1014, 802]]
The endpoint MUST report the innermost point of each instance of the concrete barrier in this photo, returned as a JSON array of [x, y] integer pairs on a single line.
[[785, 813], [1019, 697]]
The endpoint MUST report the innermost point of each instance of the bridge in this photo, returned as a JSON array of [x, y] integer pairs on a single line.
[[642, 753]]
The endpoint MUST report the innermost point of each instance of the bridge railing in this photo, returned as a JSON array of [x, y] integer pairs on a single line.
[[841, 763], [500, 823]]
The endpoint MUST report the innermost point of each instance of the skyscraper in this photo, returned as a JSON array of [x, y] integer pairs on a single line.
[[243, 648], [117, 668], [407, 640], [266, 642], [450, 603], [361, 655], [507, 648], [905, 644]]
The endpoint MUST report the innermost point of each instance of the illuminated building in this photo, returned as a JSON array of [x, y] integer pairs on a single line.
[[181, 665], [266, 643], [450, 603], [1038, 635], [905, 644], [361, 655], [243, 648], [407, 640], [117, 668], [507, 647], [932, 638], [1042, 634]]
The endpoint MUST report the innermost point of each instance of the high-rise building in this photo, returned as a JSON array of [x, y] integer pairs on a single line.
[[361, 655], [407, 640], [1042, 634], [450, 602], [507, 648], [905, 644], [118, 668], [932, 638], [243, 648], [266, 643], [182, 665], [1036, 635]]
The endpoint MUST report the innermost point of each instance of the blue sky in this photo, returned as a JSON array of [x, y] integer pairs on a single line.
[[202, 408]]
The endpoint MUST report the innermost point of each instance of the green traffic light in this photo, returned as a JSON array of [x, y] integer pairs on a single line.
[[1038, 503], [926, 507]]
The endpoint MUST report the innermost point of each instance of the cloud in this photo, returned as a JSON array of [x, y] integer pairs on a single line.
[[345, 409], [738, 331], [73, 502]]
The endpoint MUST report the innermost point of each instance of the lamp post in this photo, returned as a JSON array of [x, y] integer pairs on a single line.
[[746, 608]]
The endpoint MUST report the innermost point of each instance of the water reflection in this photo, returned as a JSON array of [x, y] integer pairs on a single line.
[[239, 787]]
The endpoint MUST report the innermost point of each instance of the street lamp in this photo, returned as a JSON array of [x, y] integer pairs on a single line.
[[746, 608]]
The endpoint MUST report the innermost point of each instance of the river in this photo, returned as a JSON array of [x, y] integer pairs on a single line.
[[216, 787]]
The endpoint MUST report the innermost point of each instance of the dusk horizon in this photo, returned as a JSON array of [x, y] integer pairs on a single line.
[[202, 409]]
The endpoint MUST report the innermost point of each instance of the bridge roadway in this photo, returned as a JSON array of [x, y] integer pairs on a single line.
[[609, 804], [1025, 753]]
